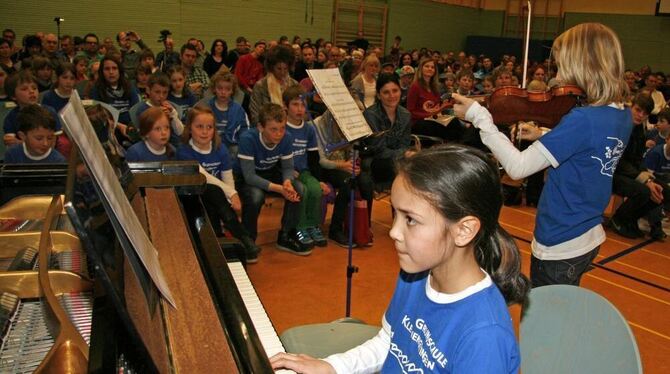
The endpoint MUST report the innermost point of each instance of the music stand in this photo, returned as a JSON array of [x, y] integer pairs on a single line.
[[352, 124], [353, 180]]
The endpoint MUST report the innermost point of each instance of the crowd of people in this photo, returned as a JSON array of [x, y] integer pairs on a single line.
[[251, 118], [391, 89]]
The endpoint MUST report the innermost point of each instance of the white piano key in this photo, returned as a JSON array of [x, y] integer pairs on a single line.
[[260, 319]]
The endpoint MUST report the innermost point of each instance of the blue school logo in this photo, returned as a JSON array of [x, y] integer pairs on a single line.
[[611, 156]]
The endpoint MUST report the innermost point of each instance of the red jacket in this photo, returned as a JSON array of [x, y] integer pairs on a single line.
[[248, 71], [416, 96]]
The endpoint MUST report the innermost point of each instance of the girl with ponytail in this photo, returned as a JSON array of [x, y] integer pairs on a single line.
[[459, 271]]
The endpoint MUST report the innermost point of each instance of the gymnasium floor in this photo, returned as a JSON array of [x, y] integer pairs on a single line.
[[632, 274]]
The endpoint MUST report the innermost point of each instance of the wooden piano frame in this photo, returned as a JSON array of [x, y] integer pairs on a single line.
[[209, 331]]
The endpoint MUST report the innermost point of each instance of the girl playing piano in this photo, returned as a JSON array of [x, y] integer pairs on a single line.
[[459, 268]]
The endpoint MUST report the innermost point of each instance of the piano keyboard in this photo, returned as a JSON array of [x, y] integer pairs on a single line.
[[266, 332]]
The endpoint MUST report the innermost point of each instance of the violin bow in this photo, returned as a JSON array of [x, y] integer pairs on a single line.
[[517, 128], [525, 53]]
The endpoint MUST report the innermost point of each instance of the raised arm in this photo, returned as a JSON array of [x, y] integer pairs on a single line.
[[516, 163]]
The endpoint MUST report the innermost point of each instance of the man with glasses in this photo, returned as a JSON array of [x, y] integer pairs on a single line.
[[91, 47]]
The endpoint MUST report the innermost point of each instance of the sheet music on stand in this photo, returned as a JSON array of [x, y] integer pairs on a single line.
[[80, 131], [336, 96]]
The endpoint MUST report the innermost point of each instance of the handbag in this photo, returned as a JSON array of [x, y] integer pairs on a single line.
[[362, 233]]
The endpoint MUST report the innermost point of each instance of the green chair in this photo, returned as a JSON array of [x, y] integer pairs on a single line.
[[568, 329], [324, 339]]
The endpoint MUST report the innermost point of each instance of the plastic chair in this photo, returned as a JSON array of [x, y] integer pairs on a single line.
[[5, 108], [134, 118], [568, 329], [324, 339]]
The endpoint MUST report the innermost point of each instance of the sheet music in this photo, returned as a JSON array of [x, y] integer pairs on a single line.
[[336, 96], [80, 131]]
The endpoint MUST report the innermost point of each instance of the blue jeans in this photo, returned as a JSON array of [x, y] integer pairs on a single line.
[[567, 271], [253, 199]]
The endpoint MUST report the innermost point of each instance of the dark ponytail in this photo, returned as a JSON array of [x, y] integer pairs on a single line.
[[462, 181], [499, 256]]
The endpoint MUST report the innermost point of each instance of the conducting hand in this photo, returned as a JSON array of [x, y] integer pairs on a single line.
[[461, 105], [300, 363], [526, 131]]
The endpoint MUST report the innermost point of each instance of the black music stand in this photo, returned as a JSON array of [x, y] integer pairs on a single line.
[[353, 183]]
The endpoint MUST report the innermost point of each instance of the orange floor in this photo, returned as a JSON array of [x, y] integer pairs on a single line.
[[302, 290]]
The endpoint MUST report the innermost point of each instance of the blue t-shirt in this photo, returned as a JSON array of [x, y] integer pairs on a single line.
[[52, 99], [251, 147], [11, 125], [143, 106], [16, 154], [215, 162], [184, 101], [430, 335], [656, 160], [655, 136], [587, 145], [304, 140], [140, 152], [117, 99], [230, 124]]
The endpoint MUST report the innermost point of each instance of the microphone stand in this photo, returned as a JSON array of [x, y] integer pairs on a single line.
[[58, 20]]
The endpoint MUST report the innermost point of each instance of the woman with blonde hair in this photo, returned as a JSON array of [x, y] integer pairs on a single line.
[[350, 69], [363, 85], [581, 153]]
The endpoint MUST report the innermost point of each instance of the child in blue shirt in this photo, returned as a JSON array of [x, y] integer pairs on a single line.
[[154, 127], [306, 164], [179, 92], [265, 164], [22, 88], [201, 143], [158, 86], [459, 270], [37, 132], [59, 96], [658, 158], [231, 119], [581, 152]]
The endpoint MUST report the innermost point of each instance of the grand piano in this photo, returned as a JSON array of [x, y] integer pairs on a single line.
[[93, 307]]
